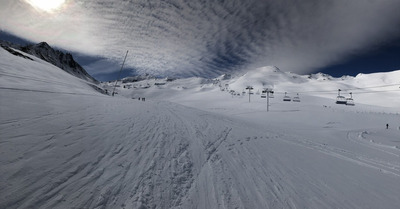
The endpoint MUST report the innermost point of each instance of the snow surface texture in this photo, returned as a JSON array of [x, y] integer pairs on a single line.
[[191, 145]]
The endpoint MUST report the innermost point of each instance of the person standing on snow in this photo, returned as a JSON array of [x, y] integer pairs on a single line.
[[387, 126]]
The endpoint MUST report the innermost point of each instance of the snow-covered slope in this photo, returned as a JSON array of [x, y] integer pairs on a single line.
[[29, 73], [189, 145], [45, 52], [377, 89], [380, 89]]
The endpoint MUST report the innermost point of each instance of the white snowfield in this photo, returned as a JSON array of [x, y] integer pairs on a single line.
[[191, 145]]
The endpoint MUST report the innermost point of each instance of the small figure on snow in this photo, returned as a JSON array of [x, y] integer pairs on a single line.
[[387, 126]]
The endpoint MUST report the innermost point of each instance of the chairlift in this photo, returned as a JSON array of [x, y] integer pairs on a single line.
[[286, 98], [264, 94], [296, 98], [271, 94], [350, 101], [340, 99]]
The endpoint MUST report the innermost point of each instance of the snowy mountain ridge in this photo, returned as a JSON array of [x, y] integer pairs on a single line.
[[137, 78], [364, 87], [65, 61], [30, 73]]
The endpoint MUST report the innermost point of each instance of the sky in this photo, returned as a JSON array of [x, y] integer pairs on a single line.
[[211, 37]]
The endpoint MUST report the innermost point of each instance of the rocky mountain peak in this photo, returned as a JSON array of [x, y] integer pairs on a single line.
[[58, 58]]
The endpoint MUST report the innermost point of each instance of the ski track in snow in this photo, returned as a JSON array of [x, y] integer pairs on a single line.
[[92, 157], [129, 154], [358, 158]]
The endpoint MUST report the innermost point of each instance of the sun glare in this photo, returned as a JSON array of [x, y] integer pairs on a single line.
[[46, 5]]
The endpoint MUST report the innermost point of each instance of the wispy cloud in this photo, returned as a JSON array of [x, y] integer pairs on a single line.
[[210, 37]]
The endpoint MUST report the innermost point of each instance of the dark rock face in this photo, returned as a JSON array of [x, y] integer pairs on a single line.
[[59, 59], [43, 51], [12, 51]]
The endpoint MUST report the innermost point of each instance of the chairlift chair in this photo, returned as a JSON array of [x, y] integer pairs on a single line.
[[296, 98], [350, 101], [264, 94], [287, 98], [340, 99], [271, 94]]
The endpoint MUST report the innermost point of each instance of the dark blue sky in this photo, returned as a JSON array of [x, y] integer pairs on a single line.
[[383, 58]]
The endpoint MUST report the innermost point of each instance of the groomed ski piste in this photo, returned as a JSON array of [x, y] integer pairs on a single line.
[[191, 145]]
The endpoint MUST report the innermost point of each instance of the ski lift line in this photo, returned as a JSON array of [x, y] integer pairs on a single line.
[[380, 86], [372, 87], [369, 92], [335, 91], [119, 74], [350, 89]]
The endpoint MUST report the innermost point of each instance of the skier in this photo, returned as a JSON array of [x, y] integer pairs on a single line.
[[387, 126]]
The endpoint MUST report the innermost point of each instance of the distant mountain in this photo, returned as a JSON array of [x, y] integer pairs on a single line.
[[23, 72], [137, 78], [43, 51], [371, 89]]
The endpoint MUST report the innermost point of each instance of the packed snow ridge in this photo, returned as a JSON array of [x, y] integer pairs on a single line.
[[196, 143]]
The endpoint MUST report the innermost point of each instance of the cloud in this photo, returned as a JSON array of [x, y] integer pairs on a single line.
[[69, 29], [210, 37]]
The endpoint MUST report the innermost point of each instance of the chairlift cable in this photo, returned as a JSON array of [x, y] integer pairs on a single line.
[[119, 74]]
